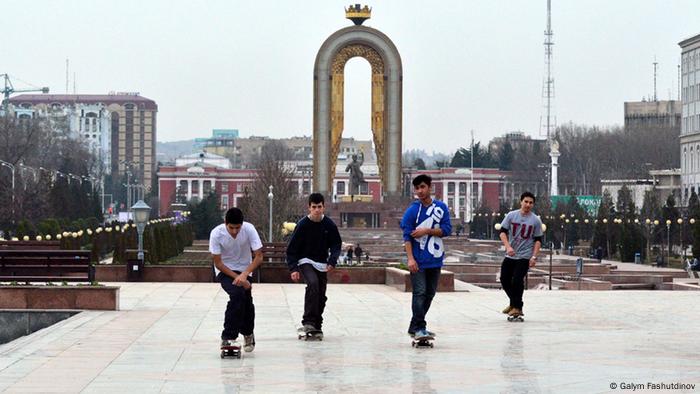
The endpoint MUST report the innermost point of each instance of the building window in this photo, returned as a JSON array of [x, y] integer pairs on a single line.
[[450, 187], [451, 204], [224, 202], [462, 188], [341, 188], [239, 187], [305, 187], [224, 187], [364, 188], [207, 187]]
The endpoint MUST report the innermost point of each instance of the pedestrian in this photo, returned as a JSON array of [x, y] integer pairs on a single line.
[[237, 252], [358, 254], [521, 234], [348, 256], [312, 252], [424, 224]]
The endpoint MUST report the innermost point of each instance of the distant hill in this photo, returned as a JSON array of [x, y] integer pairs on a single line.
[[167, 152]]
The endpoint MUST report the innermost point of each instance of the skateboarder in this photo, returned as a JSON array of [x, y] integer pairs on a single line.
[[230, 245], [312, 252], [424, 224], [521, 234]]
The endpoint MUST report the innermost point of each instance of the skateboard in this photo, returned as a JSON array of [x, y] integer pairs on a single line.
[[516, 318], [422, 342], [314, 335], [233, 351]]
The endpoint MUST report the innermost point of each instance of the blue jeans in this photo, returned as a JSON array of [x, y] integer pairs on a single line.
[[425, 283]]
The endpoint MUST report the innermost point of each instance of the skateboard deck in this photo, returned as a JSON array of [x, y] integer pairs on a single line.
[[315, 335], [422, 342], [518, 318], [233, 351]]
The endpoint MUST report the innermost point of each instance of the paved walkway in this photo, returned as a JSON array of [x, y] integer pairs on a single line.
[[165, 339]]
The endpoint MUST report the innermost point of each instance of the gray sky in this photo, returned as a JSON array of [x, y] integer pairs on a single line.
[[249, 64]]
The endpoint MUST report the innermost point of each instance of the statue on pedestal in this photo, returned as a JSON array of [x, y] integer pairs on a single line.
[[356, 175]]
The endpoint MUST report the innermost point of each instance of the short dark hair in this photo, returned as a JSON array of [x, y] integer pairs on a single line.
[[422, 178], [316, 198], [528, 194], [234, 216]]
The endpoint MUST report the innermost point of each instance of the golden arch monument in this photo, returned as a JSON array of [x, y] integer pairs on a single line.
[[387, 78]]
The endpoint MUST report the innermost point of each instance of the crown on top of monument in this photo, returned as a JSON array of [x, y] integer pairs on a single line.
[[358, 13]]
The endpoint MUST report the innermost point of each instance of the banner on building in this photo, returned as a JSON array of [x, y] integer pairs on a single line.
[[588, 203]]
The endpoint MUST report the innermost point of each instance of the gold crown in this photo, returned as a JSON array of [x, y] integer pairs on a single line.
[[358, 13]]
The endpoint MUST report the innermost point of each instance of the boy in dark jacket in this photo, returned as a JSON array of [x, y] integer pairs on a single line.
[[312, 252]]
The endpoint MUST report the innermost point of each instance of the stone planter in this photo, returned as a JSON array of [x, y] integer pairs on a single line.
[[59, 297], [401, 280]]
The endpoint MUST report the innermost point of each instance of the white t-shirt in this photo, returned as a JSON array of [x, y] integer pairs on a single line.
[[235, 252]]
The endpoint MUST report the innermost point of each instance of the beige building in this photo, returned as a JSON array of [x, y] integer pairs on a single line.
[[663, 113], [123, 125], [690, 118], [243, 151]]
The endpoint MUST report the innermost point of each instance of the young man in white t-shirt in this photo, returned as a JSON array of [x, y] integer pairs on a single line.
[[233, 245]]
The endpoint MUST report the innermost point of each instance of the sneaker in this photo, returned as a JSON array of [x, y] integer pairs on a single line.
[[319, 334], [309, 327], [422, 333], [514, 312], [249, 343], [432, 334], [229, 343], [507, 309]]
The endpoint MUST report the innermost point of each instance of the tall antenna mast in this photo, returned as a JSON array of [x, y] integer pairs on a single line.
[[548, 96], [656, 64]]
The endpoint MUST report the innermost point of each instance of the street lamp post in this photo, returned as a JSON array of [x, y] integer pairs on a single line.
[[141, 214], [680, 226], [668, 241], [270, 196], [12, 168]]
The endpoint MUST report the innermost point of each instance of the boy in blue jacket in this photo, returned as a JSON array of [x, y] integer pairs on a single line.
[[424, 224]]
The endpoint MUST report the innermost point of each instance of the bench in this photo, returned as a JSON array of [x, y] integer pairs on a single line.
[[30, 245], [275, 252], [46, 266]]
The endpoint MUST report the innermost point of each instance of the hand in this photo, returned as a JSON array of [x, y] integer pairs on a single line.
[[329, 268], [533, 261], [241, 280], [295, 276], [412, 265], [510, 251], [419, 232]]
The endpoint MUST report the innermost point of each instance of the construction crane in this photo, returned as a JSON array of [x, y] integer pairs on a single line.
[[9, 89]]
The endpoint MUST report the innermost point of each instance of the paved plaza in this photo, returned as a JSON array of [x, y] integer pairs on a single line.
[[165, 339]]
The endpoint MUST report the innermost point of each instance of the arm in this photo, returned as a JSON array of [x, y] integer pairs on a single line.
[[257, 262], [408, 226], [412, 264], [334, 247], [535, 251], [293, 251]]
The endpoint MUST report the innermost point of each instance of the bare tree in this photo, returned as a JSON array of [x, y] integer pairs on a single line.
[[272, 171]]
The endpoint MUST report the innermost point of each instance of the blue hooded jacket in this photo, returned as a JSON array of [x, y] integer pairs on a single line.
[[428, 251]]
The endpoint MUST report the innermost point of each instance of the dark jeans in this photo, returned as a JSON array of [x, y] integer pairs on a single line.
[[425, 283], [240, 311], [315, 298], [513, 279]]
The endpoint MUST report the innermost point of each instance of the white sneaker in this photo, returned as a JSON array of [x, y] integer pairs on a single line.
[[249, 343]]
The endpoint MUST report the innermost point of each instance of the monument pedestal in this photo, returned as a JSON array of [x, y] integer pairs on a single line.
[[361, 211]]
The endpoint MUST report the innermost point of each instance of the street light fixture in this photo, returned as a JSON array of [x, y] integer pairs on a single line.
[[141, 214], [270, 196]]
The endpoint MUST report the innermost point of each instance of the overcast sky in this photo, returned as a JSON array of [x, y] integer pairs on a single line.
[[249, 64]]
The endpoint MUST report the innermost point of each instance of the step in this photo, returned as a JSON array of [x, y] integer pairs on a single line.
[[633, 286]]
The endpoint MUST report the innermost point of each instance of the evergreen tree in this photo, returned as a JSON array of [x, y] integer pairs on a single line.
[[419, 164], [631, 238], [205, 216], [694, 213]]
